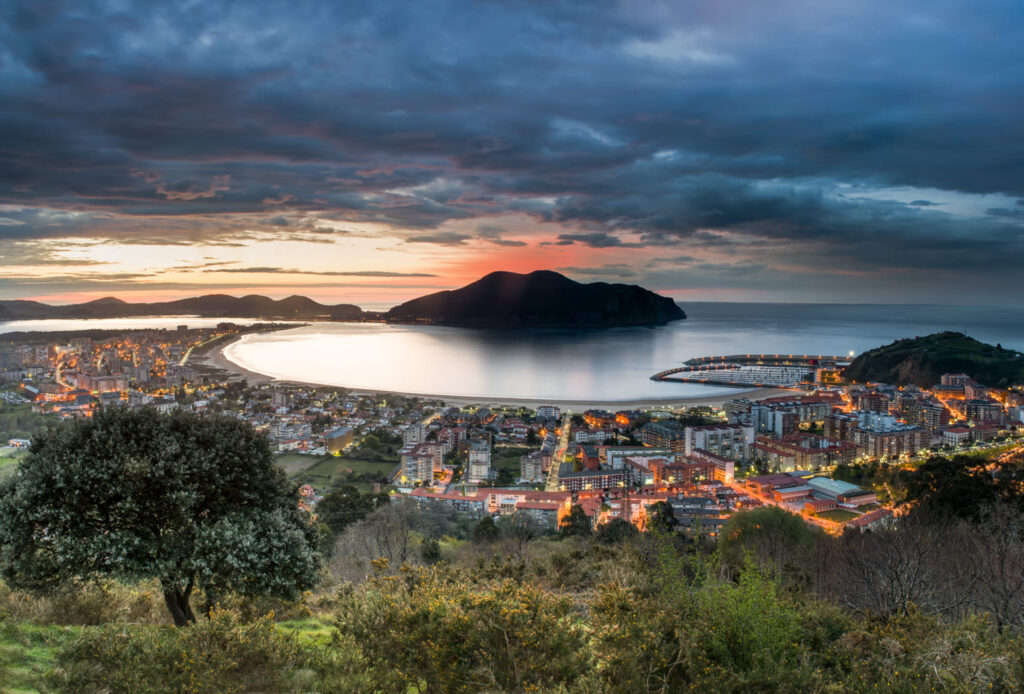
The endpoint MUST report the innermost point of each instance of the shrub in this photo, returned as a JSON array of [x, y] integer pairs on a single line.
[[437, 631], [221, 654], [86, 604]]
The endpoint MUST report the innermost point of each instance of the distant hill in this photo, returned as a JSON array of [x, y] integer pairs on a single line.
[[542, 298], [923, 360], [209, 306]]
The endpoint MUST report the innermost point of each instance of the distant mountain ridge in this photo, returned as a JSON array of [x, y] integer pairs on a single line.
[[539, 299], [208, 306], [498, 300], [923, 360]]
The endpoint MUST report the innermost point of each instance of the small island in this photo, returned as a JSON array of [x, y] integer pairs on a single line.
[[539, 299], [922, 361]]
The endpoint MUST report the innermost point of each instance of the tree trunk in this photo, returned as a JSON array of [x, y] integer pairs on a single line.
[[212, 602], [178, 605]]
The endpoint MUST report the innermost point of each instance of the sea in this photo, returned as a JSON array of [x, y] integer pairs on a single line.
[[608, 366]]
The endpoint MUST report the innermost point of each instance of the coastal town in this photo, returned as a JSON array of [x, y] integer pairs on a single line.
[[805, 448]]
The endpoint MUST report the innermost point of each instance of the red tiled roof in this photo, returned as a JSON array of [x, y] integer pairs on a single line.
[[538, 505], [869, 518]]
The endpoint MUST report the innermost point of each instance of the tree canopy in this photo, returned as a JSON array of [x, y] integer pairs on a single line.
[[346, 505], [194, 501], [485, 531], [660, 517], [575, 522], [961, 486], [779, 540], [615, 531]]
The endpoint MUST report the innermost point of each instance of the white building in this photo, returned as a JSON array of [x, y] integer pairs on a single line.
[[479, 468], [531, 467], [548, 412], [732, 441], [414, 433]]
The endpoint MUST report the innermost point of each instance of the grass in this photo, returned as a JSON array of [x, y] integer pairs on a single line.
[[308, 631], [296, 462], [320, 470], [9, 457], [27, 653], [507, 458], [838, 515]]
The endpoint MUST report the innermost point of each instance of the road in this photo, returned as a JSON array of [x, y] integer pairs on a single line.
[[1009, 455], [188, 353], [559, 456], [58, 375]]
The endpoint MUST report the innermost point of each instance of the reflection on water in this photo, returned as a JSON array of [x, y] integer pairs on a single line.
[[593, 365]]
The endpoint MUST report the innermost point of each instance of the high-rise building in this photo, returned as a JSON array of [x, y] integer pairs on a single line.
[[730, 441], [479, 467]]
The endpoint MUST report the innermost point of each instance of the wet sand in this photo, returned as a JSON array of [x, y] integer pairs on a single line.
[[216, 359]]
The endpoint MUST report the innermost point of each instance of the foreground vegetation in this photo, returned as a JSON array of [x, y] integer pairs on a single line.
[[414, 600], [648, 614]]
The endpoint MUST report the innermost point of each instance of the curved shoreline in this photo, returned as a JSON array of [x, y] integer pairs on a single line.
[[216, 359]]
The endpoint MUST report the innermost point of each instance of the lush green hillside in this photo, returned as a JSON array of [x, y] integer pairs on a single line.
[[923, 360]]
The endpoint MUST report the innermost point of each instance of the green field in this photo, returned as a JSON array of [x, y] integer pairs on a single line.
[[838, 515], [325, 472], [508, 458], [28, 652], [294, 462], [9, 457]]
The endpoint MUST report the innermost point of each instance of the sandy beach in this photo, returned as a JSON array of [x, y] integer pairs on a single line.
[[215, 359]]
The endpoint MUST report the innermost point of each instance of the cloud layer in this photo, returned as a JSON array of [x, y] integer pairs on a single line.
[[820, 145]]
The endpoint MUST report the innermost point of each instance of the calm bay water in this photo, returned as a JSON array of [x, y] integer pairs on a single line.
[[589, 366], [594, 366]]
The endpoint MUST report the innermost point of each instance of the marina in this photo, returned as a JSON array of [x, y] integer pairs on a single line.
[[758, 370]]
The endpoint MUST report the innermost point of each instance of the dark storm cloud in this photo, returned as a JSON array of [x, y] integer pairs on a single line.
[[616, 270], [741, 125], [593, 240], [444, 238], [493, 234]]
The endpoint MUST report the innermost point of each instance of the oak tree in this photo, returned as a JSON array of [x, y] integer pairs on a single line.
[[194, 501]]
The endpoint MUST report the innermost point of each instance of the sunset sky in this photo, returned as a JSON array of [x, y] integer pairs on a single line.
[[369, 152]]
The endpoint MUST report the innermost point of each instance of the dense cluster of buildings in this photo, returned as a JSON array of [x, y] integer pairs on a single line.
[[71, 377], [539, 463], [839, 425]]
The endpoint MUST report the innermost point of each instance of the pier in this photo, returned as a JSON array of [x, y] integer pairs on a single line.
[[753, 370]]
